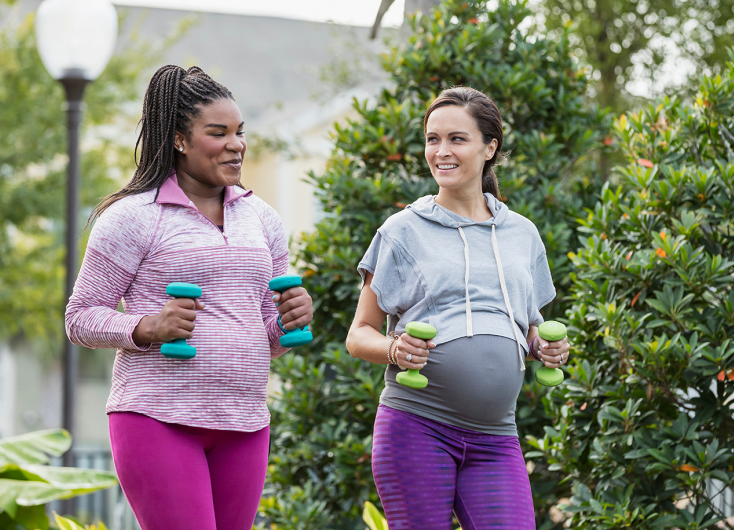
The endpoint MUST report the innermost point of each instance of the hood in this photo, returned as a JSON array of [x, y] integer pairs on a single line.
[[427, 208]]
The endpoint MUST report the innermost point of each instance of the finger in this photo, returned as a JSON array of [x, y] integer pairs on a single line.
[[276, 298], [300, 313], [186, 314], [415, 363], [185, 303], [199, 305], [292, 303], [293, 292], [405, 349], [186, 325], [414, 342]]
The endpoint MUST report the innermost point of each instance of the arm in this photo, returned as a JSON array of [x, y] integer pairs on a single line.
[[365, 341], [117, 245]]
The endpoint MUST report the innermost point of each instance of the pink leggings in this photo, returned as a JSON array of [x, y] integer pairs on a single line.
[[188, 478]]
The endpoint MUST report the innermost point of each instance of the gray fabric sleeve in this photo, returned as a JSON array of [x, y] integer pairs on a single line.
[[543, 290], [388, 279]]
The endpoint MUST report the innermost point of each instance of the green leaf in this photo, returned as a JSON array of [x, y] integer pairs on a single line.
[[33, 448], [372, 516]]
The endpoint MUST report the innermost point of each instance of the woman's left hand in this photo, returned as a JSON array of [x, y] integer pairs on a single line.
[[295, 307], [553, 354]]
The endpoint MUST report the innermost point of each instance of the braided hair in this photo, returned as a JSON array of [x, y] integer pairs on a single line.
[[173, 98]]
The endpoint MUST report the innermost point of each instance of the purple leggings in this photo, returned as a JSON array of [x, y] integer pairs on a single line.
[[188, 478], [424, 470]]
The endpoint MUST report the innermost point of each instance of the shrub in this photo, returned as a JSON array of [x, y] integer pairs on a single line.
[[646, 422], [27, 482]]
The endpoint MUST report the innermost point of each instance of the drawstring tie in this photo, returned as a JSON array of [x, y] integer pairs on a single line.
[[503, 286], [469, 332], [507, 298]]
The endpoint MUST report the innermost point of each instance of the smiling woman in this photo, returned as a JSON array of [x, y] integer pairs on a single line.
[[189, 438], [464, 263]]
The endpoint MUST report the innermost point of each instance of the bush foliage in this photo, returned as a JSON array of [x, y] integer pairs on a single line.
[[646, 422], [321, 472]]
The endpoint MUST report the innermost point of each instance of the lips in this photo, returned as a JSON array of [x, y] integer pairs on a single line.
[[233, 164]]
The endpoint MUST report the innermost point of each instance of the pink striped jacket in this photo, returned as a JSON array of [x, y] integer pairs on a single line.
[[139, 245]]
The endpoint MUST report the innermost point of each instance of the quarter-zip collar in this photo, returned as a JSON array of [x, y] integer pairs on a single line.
[[171, 193]]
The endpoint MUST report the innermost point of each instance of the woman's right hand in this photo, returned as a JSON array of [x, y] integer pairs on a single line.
[[417, 348], [175, 321]]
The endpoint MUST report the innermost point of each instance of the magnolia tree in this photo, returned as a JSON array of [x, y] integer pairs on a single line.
[[322, 425], [644, 429]]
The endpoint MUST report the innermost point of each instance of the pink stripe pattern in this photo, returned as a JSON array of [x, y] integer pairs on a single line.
[[141, 244]]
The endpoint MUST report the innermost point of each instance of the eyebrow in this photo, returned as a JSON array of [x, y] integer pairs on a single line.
[[454, 132], [220, 126]]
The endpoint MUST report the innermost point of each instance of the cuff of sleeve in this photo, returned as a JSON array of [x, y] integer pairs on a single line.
[[131, 322]]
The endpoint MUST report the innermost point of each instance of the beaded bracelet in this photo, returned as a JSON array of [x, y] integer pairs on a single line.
[[390, 360]]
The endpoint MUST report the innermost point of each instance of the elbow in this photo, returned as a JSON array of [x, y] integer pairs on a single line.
[[351, 343]]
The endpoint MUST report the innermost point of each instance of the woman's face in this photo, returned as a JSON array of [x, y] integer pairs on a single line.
[[455, 149], [212, 152]]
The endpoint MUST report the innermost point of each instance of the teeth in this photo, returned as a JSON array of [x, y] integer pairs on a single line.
[[447, 166]]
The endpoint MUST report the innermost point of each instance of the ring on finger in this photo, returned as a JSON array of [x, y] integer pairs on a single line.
[[408, 357]]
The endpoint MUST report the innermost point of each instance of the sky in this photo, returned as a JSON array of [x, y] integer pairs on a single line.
[[351, 12]]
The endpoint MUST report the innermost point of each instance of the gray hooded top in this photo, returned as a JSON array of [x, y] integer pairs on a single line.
[[463, 277]]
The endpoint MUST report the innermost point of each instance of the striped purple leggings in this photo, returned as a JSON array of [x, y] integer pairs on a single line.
[[425, 470]]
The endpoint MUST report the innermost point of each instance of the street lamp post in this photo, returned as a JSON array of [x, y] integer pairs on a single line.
[[75, 40]]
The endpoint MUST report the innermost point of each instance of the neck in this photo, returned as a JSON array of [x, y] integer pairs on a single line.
[[465, 202], [196, 191]]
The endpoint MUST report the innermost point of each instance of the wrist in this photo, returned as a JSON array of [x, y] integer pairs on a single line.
[[144, 332]]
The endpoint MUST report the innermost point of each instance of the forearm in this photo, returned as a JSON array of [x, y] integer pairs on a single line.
[[101, 327], [365, 342]]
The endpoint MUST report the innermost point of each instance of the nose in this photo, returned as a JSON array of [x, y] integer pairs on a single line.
[[237, 146], [443, 150]]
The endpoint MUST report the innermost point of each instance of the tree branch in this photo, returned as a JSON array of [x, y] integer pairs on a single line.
[[384, 6]]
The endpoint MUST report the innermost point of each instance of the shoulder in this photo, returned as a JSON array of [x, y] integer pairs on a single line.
[[267, 213], [522, 223], [125, 228], [398, 223], [131, 212]]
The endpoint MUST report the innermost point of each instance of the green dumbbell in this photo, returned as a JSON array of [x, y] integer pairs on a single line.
[[179, 348], [413, 378], [550, 331], [293, 337]]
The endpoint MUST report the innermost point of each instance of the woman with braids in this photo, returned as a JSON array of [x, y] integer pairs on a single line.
[[189, 437], [463, 262]]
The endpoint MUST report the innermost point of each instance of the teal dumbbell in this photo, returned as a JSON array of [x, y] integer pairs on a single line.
[[413, 378], [550, 331], [294, 337], [179, 348]]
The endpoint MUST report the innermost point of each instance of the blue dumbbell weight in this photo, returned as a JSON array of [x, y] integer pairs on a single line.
[[179, 348], [295, 337]]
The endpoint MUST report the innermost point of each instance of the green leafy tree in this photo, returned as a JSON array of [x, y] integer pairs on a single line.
[[646, 420], [613, 36], [33, 170], [322, 424], [27, 482]]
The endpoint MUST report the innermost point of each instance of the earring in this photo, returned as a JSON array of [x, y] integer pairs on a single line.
[[180, 149]]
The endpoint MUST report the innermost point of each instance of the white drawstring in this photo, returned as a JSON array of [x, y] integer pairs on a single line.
[[507, 297], [469, 332]]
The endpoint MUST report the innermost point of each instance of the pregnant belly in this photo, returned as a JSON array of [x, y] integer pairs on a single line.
[[473, 382]]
